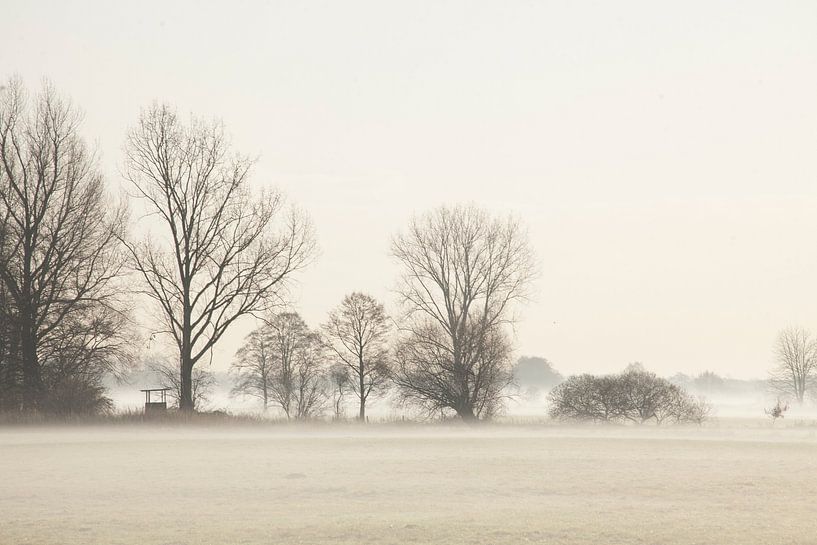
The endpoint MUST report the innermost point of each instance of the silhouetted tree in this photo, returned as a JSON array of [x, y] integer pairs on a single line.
[[297, 381], [59, 254], [339, 380], [635, 396], [462, 273], [586, 397], [356, 335], [224, 257], [88, 343], [795, 372], [642, 395], [254, 365]]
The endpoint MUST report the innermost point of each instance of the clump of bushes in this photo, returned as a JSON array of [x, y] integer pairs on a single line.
[[633, 396], [77, 396]]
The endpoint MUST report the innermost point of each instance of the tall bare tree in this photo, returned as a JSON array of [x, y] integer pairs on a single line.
[[223, 254], [462, 273], [357, 336], [795, 372], [297, 382], [59, 256]]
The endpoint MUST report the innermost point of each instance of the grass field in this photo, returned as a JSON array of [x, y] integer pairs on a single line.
[[515, 484]]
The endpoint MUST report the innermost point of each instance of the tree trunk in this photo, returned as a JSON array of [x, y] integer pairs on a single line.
[[362, 414], [186, 384], [800, 389], [12, 375], [466, 412], [186, 403], [32, 379]]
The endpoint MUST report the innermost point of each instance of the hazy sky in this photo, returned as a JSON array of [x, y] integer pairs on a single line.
[[663, 155]]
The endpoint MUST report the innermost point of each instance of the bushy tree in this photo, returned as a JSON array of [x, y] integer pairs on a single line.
[[634, 396], [536, 373], [77, 395], [64, 320], [294, 368], [586, 397], [462, 273]]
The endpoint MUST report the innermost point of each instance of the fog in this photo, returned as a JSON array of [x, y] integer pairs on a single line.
[[661, 155], [460, 272], [165, 485], [527, 400]]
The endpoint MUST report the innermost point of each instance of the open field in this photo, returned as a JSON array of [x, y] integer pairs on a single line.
[[277, 484]]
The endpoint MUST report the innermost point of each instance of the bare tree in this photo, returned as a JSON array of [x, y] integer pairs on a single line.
[[254, 364], [586, 397], [795, 373], [462, 273], [310, 379], [643, 396], [224, 257], [59, 255], [357, 336], [634, 395], [691, 409], [297, 381], [339, 380]]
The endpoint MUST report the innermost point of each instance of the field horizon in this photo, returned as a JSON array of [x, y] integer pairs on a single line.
[[740, 481]]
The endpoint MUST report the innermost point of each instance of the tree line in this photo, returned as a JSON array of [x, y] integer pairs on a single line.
[[72, 271], [212, 252]]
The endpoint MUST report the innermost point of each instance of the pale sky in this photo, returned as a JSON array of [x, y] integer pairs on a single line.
[[662, 154]]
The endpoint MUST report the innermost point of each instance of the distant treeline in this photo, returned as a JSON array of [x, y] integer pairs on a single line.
[[197, 250]]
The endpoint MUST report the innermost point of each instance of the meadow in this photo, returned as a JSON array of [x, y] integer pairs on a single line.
[[732, 482]]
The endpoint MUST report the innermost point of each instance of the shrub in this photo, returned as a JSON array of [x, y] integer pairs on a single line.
[[75, 396], [635, 396]]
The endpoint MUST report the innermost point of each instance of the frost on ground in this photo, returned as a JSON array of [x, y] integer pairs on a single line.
[[137, 485]]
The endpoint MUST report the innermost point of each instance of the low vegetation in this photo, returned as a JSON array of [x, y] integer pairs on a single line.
[[632, 396]]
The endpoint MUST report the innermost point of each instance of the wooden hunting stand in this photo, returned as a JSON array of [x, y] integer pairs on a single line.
[[154, 407]]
